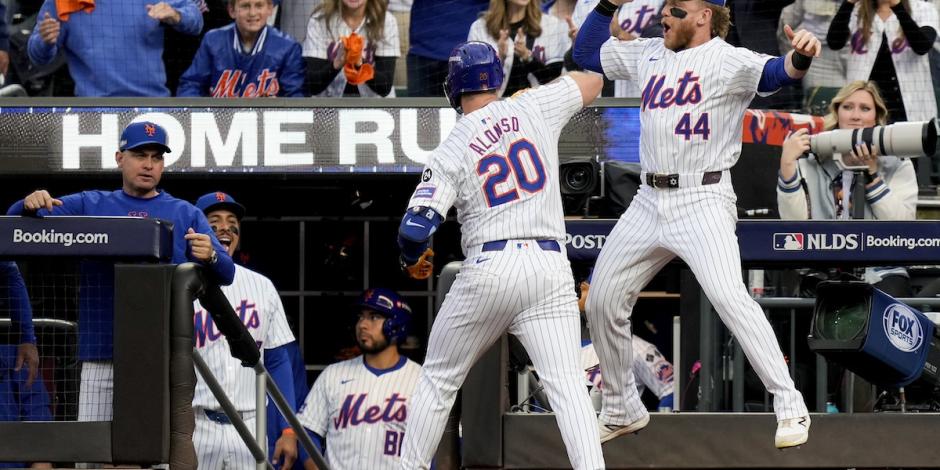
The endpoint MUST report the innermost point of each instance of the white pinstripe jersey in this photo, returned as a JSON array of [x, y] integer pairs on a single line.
[[258, 304], [913, 70], [499, 167], [361, 412], [633, 18], [692, 100], [650, 368]]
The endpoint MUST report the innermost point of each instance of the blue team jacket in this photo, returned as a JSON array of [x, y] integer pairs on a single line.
[[222, 69]]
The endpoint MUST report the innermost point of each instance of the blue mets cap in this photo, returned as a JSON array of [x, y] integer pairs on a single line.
[[720, 3], [137, 134], [219, 200]]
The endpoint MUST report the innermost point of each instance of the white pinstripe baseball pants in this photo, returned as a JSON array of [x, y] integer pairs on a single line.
[[697, 224], [529, 292]]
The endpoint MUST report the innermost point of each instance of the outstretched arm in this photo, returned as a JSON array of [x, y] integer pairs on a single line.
[[593, 34]]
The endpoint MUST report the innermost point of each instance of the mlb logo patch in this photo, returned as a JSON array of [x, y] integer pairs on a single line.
[[788, 241]]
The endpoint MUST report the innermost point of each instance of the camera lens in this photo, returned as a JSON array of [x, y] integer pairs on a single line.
[[578, 179]]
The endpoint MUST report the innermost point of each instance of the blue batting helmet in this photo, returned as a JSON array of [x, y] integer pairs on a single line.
[[390, 305], [473, 66]]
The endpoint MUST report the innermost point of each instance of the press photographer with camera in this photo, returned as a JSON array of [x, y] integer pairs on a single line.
[[819, 188]]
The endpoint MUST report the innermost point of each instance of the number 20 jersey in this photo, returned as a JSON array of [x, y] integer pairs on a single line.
[[499, 167]]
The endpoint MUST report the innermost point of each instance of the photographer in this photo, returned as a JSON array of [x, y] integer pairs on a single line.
[[810, 189]]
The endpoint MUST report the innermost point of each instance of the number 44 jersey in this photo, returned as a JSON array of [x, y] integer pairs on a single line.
[[499, 167]]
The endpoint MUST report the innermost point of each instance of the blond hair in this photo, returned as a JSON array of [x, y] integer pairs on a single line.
[[831, 121], [497, 18], [374, 20], [721, 20]]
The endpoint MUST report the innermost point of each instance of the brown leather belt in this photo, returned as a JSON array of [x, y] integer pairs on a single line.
[[672, 181]]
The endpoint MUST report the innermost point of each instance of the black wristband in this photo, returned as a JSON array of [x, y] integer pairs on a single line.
[[604, 7], [801, 62], [870, 177]]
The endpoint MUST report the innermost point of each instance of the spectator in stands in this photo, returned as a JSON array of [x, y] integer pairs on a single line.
[[531, 44], [401, 10], [437, 26], [179, 49], [351, 48], [113, 48], [828, 70], [561, 9], [4, 42], [889, 43], [810, 189], [247, 58]]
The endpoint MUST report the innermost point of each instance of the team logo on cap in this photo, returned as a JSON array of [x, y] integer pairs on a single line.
[[484, 76], [150, 129], [220, 196]]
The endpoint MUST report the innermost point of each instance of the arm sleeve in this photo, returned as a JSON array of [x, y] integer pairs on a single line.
[[921, 38], [558, 102], [224, 268], [190, 16], [839, 27], [590, 40], [21, 312], [278, 364], [39, 52], [195, 80], [791, 198], [72, 204], [774, 75], [320, 73], [742, 70], [381, 82], [895, 199], [292, 73]]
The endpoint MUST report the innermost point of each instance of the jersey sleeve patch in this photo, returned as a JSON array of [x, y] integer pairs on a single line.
[[425, 192]]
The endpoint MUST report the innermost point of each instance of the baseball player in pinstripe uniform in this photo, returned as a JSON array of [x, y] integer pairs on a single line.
[[359, 406], [256, 301], [696, 88], [247, 58], [499, 168]]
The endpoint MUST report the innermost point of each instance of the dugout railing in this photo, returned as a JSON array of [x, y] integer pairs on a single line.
[[154, 375], [495, 436]]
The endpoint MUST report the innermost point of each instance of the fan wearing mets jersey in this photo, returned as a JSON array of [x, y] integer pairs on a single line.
[[359, 406], [256, 301], [499, 168], [246, 59], [696, 88]]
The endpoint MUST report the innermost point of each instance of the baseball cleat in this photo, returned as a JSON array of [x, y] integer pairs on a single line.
[[792, 432], [610, 431]]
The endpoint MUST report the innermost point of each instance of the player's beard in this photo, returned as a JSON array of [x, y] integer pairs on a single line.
[[374, 347], [681, 36]]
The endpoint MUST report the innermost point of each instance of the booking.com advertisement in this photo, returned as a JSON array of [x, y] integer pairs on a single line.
[[775, 241]]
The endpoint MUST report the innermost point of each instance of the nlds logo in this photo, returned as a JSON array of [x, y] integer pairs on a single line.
[[815, 241]]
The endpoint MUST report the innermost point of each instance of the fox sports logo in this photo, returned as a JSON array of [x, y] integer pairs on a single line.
[[902, 327]]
